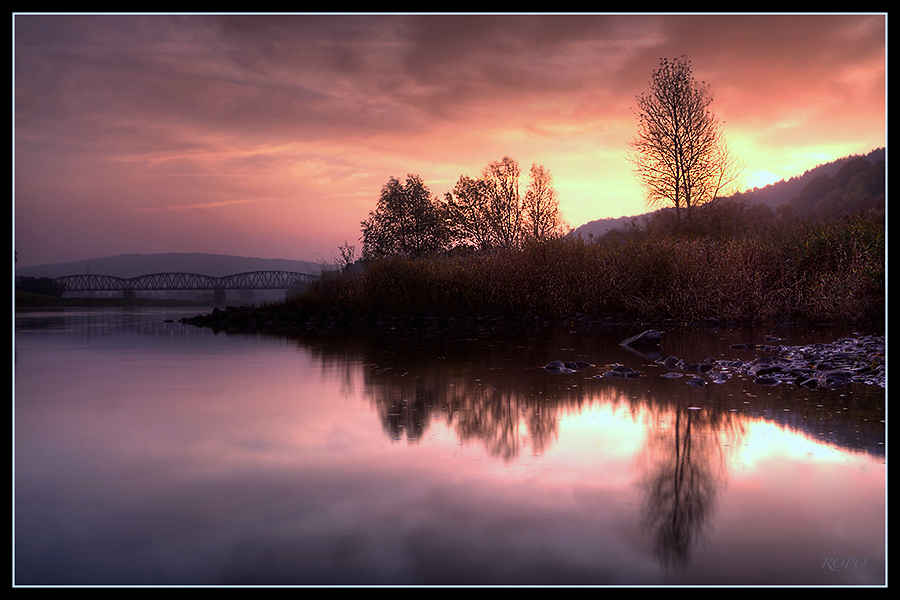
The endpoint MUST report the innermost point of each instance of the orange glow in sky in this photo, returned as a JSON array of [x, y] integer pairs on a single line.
[[271, 135]]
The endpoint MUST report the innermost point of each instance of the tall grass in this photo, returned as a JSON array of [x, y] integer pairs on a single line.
[[825, 271]]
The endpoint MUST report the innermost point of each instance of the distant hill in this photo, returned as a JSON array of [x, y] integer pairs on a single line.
[[133, 265], [784, 192]]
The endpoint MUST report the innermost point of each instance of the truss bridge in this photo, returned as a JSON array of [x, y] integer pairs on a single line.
[[255, 280]]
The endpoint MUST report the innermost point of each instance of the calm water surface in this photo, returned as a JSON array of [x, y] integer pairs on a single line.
[[151, 453]]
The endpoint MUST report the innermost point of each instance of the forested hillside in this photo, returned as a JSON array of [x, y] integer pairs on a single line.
[[784, 191], [849, 184]]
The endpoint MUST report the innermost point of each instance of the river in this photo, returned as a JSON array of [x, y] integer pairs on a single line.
[[152, 453]]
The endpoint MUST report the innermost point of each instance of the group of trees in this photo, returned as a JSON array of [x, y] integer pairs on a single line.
[[490, 211], [679, 155]]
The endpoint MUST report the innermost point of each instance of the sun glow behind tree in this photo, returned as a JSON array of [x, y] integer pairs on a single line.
[[679, 153]]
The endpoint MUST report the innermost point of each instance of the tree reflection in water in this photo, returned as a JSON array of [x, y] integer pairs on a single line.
[[684, 471], [492, 413], [494, 392]]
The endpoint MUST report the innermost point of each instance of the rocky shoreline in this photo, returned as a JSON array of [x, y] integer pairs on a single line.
[[845, 361], [838, 364]]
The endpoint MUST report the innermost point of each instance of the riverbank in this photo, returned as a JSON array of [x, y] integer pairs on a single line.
[[805, 272], [295, 318], [858, 359]]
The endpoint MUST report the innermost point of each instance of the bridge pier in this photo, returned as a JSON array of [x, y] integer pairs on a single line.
[[128, 294], [219, 297]]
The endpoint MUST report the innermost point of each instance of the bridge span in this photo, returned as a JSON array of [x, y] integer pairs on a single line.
[[254, 280]]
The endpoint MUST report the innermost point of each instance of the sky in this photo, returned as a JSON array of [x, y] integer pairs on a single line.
[[271, 136]]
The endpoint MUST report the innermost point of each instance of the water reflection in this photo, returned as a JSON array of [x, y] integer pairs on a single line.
[[493, 392], [87, 321], [169, 454], [684, 468]]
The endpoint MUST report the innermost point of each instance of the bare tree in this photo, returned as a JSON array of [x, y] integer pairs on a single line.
[[504, 205], [491, 212], [542, 217], [679, 153], [488, 212]]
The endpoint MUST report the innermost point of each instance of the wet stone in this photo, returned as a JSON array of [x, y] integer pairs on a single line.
[[621, 371]]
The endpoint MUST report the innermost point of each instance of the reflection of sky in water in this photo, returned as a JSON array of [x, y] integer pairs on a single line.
[[229, 459]]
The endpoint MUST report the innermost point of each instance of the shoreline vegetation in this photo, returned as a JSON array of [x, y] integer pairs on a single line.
[[804, 272]]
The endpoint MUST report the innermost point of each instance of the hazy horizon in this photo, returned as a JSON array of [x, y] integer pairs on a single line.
[[271, 135]]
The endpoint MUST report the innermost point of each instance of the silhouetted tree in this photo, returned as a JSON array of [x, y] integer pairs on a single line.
[[469, 218], [504, 205], [491, 211], [408, 220], [542, 217], [679, 153]]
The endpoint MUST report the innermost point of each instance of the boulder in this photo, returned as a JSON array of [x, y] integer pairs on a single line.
[[558, 366], [646, 340]]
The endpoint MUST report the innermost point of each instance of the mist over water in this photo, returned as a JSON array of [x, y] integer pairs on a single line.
[[149, 452]]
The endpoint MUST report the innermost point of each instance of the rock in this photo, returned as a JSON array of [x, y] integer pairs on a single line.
[[845, 362], [769, 370], [558, 366], [807, 382], [746, 346], [623, 372], [578, 365], [671, 363], [646, 340], [718, 376], [837, 378]]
